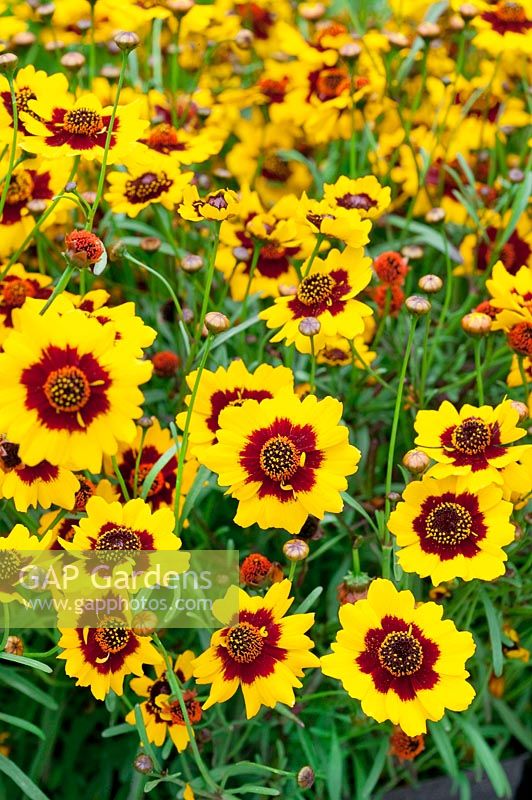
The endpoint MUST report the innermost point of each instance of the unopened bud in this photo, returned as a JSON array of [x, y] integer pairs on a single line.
[[516, 175], [45, 11], [23, 39], [476, 323], [412, 251], [430, 284], [417, 305], [8, 63], [244, 39], [145, 422], [305, 778], [14, 646], [143, 764], [73, 61], [150, 244], [350, 50], [468, 10], [397, 39], [456, 22], [296, 549], [309, 326], [287, 290], [126, 41], [521, 409], [191, 262], [428, 30], [144, 623], [435, 215], [180, 7], [416, 461], [216, 322]]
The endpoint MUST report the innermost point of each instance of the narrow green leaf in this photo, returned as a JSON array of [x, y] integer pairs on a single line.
[[335, 768], [309, 601], [295, 155], [514, 724], [375, 771], [494, 627], [22, 723], [484, 753], [25, 687], [445, 749], [249, 788], [27, 662], [224, 337], [27, 786], [359, 508], [117, 730]]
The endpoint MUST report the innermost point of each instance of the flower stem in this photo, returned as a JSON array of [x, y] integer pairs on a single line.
[[120, 478], [312, 366], [208, 284], [395, 425], [101, 179], [478, 371], [291, 574], [137, 462], [11, 164], [59, 288], [522, 372]]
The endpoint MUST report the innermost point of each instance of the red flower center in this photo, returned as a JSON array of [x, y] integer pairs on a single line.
[[510, 12], [472, 436], [113, 637], [316, 288], [449, 524], [14, 292], [244, 642], [147, 187], [360, 201], [275, 169], [279, 458], [158, 481], [192, 706], [520, 338], [119, 538], [401, 654], [67, 389], [83, 121], [332, 83], [164, 138]]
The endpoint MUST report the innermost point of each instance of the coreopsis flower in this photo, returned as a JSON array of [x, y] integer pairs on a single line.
[[327, 293], [283, 459], [69, 394], [472, 441], [224, 388], [445, 531], [12, 547], [388, 297], [32, 184], [391, 268], [511, 296], [83, 249], [404, 747], [334, 221], [181, 146], [30, 84], [153, 180], [61, 127], [100, 658], [255, 570], [400, 658], [215, 206], [15, 289], [162, 715], [504, 27], [259, 650], [514, 651], [477, 249], [363, 196], [40, 485], [337, 351]]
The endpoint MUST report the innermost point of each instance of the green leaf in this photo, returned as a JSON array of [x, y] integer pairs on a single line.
[[249, 788], [21, 779], [494, 627], [22, 723], [27, 662], [518, 207], [431, 237], [514, 724], [445, 749], [309, 601], [25, 687], [375, 771], [489, 762], [335, 768], [360, 509], [224, 337], [117, 730]]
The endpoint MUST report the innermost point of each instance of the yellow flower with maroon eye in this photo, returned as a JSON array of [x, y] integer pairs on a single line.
[[400, 658], [101, 657], [365, 197], [471, 441], [69, 393], [30, 84], [215, 206], [59, 127], [161, 715], [227, 388], [504, 26], [328, 293], [260, 650], [147, 181], [182, 146], [17, 286], [446, 531], [283, 459]]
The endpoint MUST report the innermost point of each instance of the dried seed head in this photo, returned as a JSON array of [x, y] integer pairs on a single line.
[[14, 646]]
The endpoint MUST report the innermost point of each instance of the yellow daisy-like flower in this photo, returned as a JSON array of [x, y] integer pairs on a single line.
[[40, 485], [364, 196], [215, 206], [447, 531], [472, 441], [161, 715], [504, 26], [259, 650], [155, 180], [327, 293], [511, 296], [69, 394], [283, 459], [182, 146], [224, 388], [337, 352], [102, 657], [400, 659], [12, 545], [334, 221], [30, 84], [60, 127], [17, 286]]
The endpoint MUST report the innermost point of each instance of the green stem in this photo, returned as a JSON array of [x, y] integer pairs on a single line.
[[5, 636], [312, 366], [253, 266], [395, 426], [101, 179], [478, 371], [11, 164], [207, 289], [291, 574], [424, 362], [120, 478], [59, 288], [356, 355], [356, 561], [177, 691], [524, 378], [163, 280], [92, 46], [314, 253], [184, 438], [137, 462]]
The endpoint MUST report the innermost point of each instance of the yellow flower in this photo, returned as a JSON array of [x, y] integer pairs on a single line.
[[151, 180], [12, 546], [59, 127], [224, 388], [17, 286], [472, 441], [447, 531], [400, 659], [260, 650], [504, 26], [40, 485], [363, 196], [160, 714], [181, 146], [30, 84], [511, 295], [69, 394], [334, 221], [283, 459], [327, 293], [215, 206]]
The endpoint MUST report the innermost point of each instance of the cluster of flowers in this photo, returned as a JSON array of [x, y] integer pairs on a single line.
[[267, 100]]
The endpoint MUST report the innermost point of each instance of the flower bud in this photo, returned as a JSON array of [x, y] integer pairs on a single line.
[[143, 764], [180, 7], [428, 30], [191, 263], [287, 290], [516, 175], [412, 251], [117, 250], [144, 623], [456, 22], [476, 323], [397, 39], [469, 10], [242, 253], [496, 685], [165, 363], [45, 11], [435, 215], [305, 778], [255, 569], [416, 461], [430, 284], [150, 244], [23, 39], [216, 322], [126, 41], [417, 305], [73, 61], [244, 39], [309, 326], [84, 249], [14, 646], [8, 63], [145, 422], [350, 50], [296, 549], [521, 409]]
